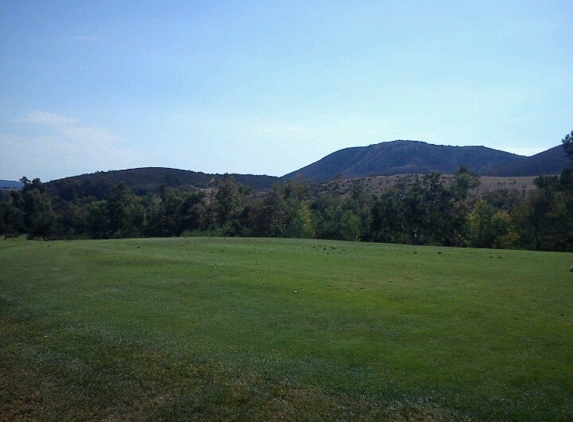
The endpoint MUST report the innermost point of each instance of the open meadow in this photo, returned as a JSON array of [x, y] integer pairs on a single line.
[[276, 329]]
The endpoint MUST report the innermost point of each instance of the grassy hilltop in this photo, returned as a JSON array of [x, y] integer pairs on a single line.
[[273, 329]]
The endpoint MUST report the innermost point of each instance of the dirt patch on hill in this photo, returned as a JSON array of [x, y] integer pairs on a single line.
[[522, 184], [380, 184]]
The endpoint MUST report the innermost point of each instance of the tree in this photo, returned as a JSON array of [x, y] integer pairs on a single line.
[[12, 214], [350, 228], [388, 218], [360, 203], [191, 212], [481, 230], [98, 220], [427, 210], [39, 217], [126, 215], [300, 225], [464, 182], [545, 220], [229, 204], [327, 213]]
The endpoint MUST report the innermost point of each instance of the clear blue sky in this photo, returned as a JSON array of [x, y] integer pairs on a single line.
[[267, 87]]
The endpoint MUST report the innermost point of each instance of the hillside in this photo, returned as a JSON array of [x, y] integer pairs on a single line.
[[413, 157], [383, 159], [10, 184], [551, 161], [148, 179], [522, 185]]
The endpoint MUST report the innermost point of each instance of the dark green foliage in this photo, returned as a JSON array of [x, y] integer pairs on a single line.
[[545, 218], [38, 216], [191, 213], [98, 220], [148, 180], [12, 214], [423, 210], [229, 203], [488, 227], [420, 209]]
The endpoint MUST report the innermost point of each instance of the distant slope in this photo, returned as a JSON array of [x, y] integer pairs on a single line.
[[551, 161], [10, 184], [404, 157], [148, 179]]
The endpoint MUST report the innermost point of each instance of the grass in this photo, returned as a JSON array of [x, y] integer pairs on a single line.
[[273, 329]]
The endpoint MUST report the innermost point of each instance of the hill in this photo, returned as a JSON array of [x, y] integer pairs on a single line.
[[149, 179], [10, 184], [414, 157], [551, 161], [523, 185], [383, 159]]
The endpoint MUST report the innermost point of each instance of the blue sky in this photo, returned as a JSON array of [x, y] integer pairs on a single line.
[[267, 87]]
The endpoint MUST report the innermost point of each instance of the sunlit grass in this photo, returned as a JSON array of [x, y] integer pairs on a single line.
[[271, 329]]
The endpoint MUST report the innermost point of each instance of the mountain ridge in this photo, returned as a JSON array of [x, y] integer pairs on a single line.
[[397, 157], [416, 157], [551, 161], [10, 184], [148, 179]]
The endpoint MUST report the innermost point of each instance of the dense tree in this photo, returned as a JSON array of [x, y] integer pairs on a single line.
[[388, 223], [228, 206], [12, 214], [465, 182], [191, 213], [39, 218], [430, 209], [300, 223], [118, 203], [71, 217], [544, 221], [482, 231], [273, 217], [286, 212], [98, 220], [360, 203], [31, 185], [350, 227], [327, 213]]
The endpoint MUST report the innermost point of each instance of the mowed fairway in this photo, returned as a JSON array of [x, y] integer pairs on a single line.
[[273, 329]]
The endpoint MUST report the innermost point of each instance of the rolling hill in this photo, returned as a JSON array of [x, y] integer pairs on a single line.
[[378, 160], [148, 179], [414, 157], [551, 161], [10, 184]]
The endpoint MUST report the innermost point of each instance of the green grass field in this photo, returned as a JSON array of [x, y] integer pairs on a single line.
[[271, 329]]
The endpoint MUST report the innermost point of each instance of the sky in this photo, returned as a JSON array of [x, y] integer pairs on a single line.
[[268, 87]]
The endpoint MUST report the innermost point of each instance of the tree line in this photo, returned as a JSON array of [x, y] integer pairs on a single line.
[[423, 210]]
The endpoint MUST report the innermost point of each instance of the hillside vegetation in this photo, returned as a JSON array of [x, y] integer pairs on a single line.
[[488, 185], [427, 209], [277, 329], [149, 179], [433, 207]]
